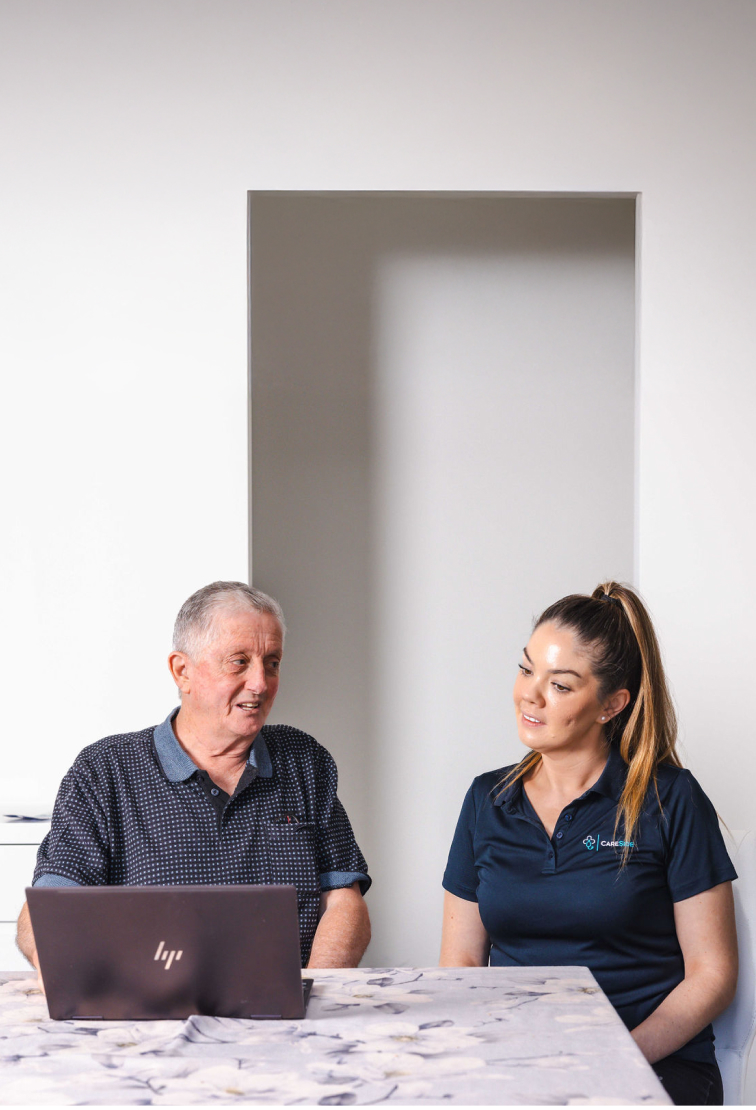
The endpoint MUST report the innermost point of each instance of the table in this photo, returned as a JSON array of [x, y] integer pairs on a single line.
[[486, 1036]]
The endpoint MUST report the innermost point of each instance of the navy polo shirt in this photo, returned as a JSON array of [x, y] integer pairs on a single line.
[[134, 810], [565, 900]]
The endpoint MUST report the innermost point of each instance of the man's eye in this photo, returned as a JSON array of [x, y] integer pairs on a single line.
[[274, 664]]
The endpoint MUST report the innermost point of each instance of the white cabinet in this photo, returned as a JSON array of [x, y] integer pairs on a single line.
[[19, 841]]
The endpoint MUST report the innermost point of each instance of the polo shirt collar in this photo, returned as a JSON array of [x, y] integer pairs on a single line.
[[610, 782], [176, 764]]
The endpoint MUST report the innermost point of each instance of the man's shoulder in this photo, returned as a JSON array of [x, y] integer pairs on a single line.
[[285, 741], [116, 748]]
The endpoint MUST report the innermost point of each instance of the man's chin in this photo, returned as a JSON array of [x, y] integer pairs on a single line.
[[248, 722]]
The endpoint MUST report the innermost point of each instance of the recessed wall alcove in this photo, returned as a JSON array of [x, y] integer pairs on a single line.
[[442, 443]]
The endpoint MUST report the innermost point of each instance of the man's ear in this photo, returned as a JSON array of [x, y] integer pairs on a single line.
[[615, 704], [179, 664]]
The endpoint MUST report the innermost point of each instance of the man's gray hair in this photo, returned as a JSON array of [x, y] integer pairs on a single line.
[[196, 615]]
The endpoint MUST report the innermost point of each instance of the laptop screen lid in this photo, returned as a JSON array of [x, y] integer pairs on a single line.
[[146, 952]]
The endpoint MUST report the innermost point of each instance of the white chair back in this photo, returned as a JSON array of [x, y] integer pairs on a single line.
[[734, 1029]]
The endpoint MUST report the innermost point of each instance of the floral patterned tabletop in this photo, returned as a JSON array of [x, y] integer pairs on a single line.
[[486, 1036]]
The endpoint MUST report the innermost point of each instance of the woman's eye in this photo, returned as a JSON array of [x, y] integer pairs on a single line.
[[560, 688], [524, 669]]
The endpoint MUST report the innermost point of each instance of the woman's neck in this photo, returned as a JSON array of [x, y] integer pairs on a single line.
[[568, 775], [556, 781]]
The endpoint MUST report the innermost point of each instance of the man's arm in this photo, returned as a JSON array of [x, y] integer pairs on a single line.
[[25, 941], [25, 937], [343, 932]]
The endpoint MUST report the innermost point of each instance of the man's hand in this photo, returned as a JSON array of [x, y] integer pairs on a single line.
[[26, 944], [343, 932]]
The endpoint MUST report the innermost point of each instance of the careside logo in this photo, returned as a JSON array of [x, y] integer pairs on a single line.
[[163, 954], [593, 843]]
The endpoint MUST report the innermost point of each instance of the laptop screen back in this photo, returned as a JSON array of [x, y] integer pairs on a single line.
[[130, 952]]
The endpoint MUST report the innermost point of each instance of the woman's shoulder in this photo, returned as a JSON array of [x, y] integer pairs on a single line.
[[668, 776], [488, 782], [678, 785]]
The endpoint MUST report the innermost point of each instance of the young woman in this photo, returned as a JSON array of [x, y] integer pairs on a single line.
[[598, 849]]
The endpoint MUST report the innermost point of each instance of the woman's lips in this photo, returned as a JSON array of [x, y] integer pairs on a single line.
[[530, 720]]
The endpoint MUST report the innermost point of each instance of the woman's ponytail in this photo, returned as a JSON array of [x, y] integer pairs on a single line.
[[646, 733]]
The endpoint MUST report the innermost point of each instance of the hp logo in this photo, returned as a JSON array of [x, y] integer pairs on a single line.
[[163, 954]]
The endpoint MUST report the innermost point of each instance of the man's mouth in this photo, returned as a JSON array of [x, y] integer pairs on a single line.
[[248, 704]]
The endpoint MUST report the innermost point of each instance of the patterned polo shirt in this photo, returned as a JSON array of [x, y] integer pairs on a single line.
[[134, 810]]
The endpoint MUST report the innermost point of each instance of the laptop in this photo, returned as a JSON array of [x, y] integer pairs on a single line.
[[150, 952]]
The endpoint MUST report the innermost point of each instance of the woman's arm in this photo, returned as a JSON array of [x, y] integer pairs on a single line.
[[464, 940], [705, 927]]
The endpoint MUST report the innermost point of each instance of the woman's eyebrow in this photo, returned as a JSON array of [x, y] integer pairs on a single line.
[[565, 670]]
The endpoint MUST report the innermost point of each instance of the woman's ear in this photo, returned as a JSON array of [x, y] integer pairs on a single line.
[[615, 704]]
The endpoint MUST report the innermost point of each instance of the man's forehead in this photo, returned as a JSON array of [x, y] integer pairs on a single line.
[[237, 626]]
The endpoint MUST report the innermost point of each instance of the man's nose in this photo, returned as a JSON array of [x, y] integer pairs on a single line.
[[256, 678]]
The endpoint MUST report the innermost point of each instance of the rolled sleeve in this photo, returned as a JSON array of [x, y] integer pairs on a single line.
[[76, 848], [340, 861], [49, 879], [334, 880]]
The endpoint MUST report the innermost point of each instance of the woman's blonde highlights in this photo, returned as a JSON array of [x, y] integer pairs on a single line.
[[649, 736]]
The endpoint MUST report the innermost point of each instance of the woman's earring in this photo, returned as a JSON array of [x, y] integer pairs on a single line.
[[603, 718]]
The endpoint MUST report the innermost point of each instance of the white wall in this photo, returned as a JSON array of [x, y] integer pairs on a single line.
[[129, 135], [433, 462]]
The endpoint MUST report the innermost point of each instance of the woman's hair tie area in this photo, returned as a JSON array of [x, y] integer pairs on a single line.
[[614, 600]]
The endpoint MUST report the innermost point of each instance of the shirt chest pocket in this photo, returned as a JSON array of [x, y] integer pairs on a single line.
[[292, 855]]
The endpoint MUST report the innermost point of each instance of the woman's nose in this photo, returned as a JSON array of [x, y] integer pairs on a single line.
[[534, 694]]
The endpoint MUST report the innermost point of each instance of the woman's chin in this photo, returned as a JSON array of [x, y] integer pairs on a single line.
[[535, 743]]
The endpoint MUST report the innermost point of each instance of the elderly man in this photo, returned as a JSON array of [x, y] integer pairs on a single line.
[[213, 794]]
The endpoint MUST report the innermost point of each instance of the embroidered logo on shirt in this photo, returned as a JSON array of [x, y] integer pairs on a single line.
[[593, 843]]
